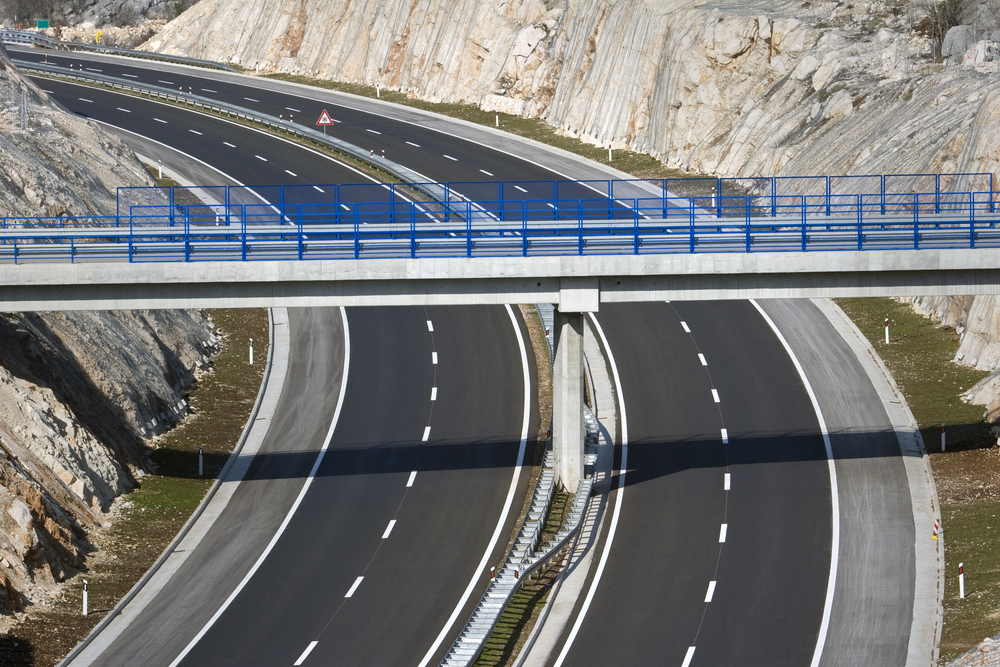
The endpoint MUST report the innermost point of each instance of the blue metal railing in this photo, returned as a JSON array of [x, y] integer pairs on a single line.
[[367, 221]]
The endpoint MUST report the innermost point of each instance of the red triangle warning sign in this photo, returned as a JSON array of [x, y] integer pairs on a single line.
[[324, 119]]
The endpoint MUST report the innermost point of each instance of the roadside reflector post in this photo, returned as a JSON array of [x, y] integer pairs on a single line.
[[85, 597], [609, 152], [251, 351], [161, 169], [961, 581], [942, 436], [937, 529], [201, 462], [498, 119], [493, 573], [887, 331]]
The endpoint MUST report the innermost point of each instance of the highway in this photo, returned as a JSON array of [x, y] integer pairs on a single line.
[[771, 571]]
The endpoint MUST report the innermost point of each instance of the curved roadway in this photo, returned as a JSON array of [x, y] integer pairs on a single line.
[[772, 569]]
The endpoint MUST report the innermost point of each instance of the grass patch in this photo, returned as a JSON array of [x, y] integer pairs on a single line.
[[967, 475], [148, 518], [640, 165]]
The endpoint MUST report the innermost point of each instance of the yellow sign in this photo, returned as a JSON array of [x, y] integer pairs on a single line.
[[97, 38]]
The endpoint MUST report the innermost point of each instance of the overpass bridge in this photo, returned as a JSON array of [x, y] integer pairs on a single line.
[[573, 244]]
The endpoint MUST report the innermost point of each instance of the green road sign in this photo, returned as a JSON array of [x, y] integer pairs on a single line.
[[42, 24]]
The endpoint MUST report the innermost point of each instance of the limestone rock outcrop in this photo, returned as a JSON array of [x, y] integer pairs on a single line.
[[80, 392], [765, 87]]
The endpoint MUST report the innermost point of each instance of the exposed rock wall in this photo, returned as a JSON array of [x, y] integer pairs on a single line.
[[80, 392], [762, 87]]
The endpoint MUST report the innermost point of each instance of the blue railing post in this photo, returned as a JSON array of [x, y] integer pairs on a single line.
[[301, 225], [130, 219], [774, 199], [635, 211], [746, 207], [861, 220], [802, 202], [524, 228], [171, 203], [972, 220], [718, 197], [243, 233], [828, 196], [227, 200], [187, 238], [579, 225], [468, 228], [937, 193], [916, 221], [881, 189], [413, 230], [691, 218], [357, 234]]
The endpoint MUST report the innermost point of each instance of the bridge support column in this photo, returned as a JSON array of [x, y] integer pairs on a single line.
[[576, 297]]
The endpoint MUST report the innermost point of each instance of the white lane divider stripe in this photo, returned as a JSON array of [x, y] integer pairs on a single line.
[[196, 132], [125, 110], [250, 99], [305, 654], [485, 172], [345, 207], [295, 110], [374, 131], [434, 357], [727, 482], [518, 187], [831, 583], [131, 76], [430, 325], [687, 658], [427, 434], [159, 120], [169, 83], [261, 158], [318, 189], [715, 395], [453, 159], [618, 506], [481, 567], [354, 587], [291, 173], [388, 529], [725, 436], [685, 325], [229, 144], [84, 99], [94, 69], [722, 532], [209, 90], [413, 144], [413, 476], [701, 358], [711, 591], [434, 393], [295, 505]]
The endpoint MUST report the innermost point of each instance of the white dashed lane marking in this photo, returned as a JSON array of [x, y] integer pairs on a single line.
[[229, 144], [427, 434], [293, 110], [388, 529], [158, 120], [434, 357], [726, 482], [318, 189], [715, 395], [485, 172], [722, 532], [430, 325], [701, 358], [305, 654], [357, 582], [195, 132], [711, 591], [434, 393], [518, 187], [209, 90], [373, 131], [261, 158], [125, 110], [413, 144], [413, 476], [250, 99], [169, 83], [131, 76], [291, 173], [687, 658], [84, 99], [453, 159], [686, 328], [725, 436]]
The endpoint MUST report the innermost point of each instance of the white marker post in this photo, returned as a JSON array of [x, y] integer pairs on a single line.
[[961, 581], [942, 436], [85, 597], [161, 169], [498, 119], [887, 331], [251, 351], [493, 573], [609, 152], [201, 462], [378, 90]]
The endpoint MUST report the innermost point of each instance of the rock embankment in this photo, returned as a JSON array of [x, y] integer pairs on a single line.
[[80, 392], [764, 87]]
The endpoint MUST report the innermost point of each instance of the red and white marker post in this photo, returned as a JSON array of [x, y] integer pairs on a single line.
[[942, 436], [961, 581], [493, 573], [887, 331], [937, 529]]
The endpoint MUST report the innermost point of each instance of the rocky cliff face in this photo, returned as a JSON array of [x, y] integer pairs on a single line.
[[79, 392], [765, 87]]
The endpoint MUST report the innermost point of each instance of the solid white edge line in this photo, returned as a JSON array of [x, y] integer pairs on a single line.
[[413, 476], [711, 591], [831, 584], [723, 531], [292, 509], [618, 506], [688, 656], [388, 529], [305, 654], [354, 586], [427, 434], [481, 567]]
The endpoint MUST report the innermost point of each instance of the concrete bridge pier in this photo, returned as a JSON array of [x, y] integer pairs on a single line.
[[576, 297]]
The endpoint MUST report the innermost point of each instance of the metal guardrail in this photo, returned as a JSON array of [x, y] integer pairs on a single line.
[[29, 38], [525, 557]]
